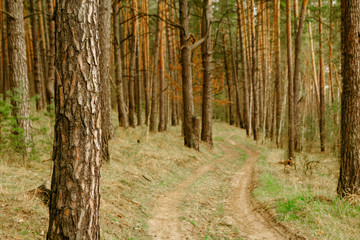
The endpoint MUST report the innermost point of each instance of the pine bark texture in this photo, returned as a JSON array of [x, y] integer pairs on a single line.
[[18, 77], [206, 49], [349, 179], [75, 198], [105, 40]]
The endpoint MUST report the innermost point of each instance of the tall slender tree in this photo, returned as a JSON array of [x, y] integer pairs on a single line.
[[105, 33]]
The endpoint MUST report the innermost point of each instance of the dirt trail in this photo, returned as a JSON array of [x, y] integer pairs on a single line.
[[250, 222], [166, 223]]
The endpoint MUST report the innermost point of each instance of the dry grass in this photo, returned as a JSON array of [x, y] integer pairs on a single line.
[[137, 173], [305, 198]]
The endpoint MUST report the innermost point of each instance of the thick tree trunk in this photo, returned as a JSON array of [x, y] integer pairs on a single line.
[[75, 184], [322, 85], [122, 114], [349, 179], [37, 71], [18, 77], [105, 33], [206, 49]]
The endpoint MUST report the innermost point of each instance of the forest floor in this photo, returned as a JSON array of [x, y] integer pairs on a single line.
[[158, 189]]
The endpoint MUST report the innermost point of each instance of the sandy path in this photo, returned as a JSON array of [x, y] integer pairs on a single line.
[[250, 222], [166, 223]]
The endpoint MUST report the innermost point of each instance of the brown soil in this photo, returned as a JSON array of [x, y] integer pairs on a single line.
[[253, 222]]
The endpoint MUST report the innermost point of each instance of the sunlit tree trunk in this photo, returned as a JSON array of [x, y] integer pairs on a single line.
[[277, 64]]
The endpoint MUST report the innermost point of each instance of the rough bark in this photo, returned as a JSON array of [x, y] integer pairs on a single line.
[[105, 33], [75, 198], [349, 179], [5, 58], [138, 87], [122, 114], [18, 78]]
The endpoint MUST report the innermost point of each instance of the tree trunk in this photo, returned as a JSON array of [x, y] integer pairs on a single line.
[[298, 42], [254, 79], [49, 82], [105, 33], [132, 65], [37, 71], [322, 85], [18, 77], [349, 179], [162, 104], [75, 184], [206, 49], [5, 50], [228, 83], [155, 75], [188, 100], [138, 83], [122, 114], [277, 64], [235, 79], [146, 60], [244, 68], [290, 83]]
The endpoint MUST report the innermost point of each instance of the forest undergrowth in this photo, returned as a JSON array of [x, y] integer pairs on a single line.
[[140, 170]]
